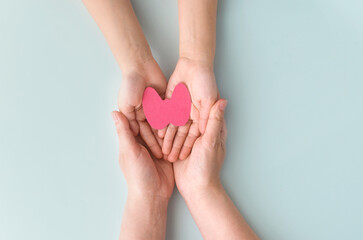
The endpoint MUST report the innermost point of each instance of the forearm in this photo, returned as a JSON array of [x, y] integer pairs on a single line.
[[144, 218], [120, 26], [197, 29], [217, 217]]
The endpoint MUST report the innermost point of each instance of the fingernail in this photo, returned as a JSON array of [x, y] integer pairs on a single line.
[[223, 105]]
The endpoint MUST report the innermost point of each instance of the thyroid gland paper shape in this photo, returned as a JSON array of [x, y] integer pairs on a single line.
[[159, 113]]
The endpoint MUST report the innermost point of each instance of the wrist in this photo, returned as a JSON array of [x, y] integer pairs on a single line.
[[148, 200], [135, 58], [151, 208], [137, 68], [197, 57], [144, 217], [201, 192], [196, 64]]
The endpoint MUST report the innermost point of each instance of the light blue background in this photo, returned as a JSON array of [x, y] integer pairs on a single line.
[[291, 70]]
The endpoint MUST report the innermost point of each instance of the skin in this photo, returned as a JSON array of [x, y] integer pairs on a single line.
[[120, 26], [150, 184], [197, 42], [151, 181], [198, 181], [197, 21]]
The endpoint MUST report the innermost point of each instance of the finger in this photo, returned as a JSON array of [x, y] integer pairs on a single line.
[[148, 136], [215, 123], [193, 134], [130, 98], [169, 92], [161, 133], [134, 127], [171, 85], [158, 139], [205, 107], [129, 113], [179, 141], [169, 138], [126, 139]]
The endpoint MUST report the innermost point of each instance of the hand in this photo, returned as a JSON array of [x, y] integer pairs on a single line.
[[146, 176], [199, 78], [135, 80], [119, 24], [198, 181], [199, 173], [150, 184]]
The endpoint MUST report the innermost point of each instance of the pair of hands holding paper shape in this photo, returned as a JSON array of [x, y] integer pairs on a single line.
[[189, 97], [170, 132]]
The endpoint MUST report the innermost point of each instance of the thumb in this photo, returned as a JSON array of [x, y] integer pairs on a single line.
[[125, 135], [215, 123], [205, 114]]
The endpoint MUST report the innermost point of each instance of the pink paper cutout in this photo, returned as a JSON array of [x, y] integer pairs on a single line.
[[159, 113]]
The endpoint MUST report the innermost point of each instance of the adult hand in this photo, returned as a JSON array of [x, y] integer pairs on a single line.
[[198, 181], [145, 175], [135, 80], [199, 78], [199, 172], [150, 184]]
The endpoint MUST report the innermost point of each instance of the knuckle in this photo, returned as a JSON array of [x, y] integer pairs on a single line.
[[193, 135], [209, 144], [177, 147], [216, 117]]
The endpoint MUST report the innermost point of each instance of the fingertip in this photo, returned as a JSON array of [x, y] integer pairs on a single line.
[[218, 108], [174, 155], [185, 152], [119, 120], [223, 104], [124, 132], [215, 122], [172, 158], [156, 151], [183, 155], [159, 155], [166, 148], [114, 116], [161, 132]]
